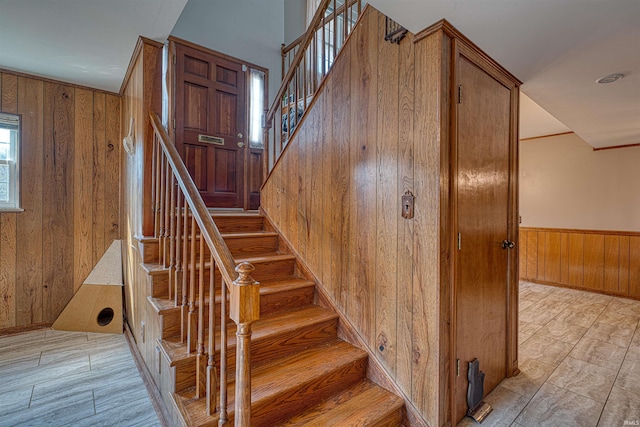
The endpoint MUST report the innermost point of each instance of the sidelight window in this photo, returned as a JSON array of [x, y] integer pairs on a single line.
[[9, 162]]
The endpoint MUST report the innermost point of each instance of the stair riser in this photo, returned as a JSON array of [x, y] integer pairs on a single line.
[[230, 224], [242, 246], [149, 251], [263, 271]]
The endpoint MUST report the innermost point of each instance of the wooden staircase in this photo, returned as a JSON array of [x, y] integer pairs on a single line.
[[301, 372]]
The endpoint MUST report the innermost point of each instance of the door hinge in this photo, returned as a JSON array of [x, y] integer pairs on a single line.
[[459, 241], [174, 123], [457, 367], [459, 94]]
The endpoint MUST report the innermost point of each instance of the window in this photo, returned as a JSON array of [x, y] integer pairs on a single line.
[[256, 108], [9, 162]]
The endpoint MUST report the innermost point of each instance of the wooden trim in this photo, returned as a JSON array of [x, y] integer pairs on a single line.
[[347, 331], [154, 394], [134, 57], [216, 53], [22, 329], [54, 81], [579, 231], [616, 147], [546, 136], [453, 32]]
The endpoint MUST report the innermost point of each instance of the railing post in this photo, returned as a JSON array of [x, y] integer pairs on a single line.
[[244, 310]]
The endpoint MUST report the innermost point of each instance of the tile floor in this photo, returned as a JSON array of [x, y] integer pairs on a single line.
[[56, 378], [579, 356]]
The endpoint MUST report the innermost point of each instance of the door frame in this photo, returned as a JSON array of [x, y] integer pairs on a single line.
[[462, 48], [170, 94]]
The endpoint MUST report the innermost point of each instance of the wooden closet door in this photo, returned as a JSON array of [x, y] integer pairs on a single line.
[[482, 203]]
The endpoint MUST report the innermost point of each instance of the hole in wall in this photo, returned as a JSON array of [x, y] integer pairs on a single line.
[[105, 316]]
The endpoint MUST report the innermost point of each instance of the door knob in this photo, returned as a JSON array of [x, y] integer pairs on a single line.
[[240, 144], [508, 244]]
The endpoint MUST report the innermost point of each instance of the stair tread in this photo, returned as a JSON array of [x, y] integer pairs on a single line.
[[360, 405], [266, 257], [245, 234], [276, 378], [154, 268], [269, 326]]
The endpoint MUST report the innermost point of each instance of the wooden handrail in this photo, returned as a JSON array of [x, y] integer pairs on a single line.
[[199, 210], [177, 196], [308, 36]]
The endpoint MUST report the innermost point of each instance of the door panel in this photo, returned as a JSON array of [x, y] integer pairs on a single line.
[[210, 102], [482, 203]]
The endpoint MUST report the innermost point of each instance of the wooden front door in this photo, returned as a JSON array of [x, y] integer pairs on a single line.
[[211, 124], [482, 176]]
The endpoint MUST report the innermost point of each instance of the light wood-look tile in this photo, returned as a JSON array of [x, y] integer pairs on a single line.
[[71, 378]]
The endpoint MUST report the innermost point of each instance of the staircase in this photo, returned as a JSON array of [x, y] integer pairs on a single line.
[[301, 372]]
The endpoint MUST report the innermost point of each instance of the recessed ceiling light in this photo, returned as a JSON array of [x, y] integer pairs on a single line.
[[610, 78]]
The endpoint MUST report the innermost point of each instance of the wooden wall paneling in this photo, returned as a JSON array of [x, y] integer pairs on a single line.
[[315, 169], [363, 142], [542, 239], [532, 254], [303, 178], [623, 275], [426, 286], [29, 223], [8, 222], [404, 345], [594, 261], [611, 263], [564, 258], [388, 198], [58, 253], [576, 259], [99, 166], [634, 266], [522, 254], [552, 251], [291, 193], [113, 147], [83, 186], [342, 214], [327, 159]]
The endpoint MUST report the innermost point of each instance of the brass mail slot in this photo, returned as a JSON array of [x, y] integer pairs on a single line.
[[211, 139]]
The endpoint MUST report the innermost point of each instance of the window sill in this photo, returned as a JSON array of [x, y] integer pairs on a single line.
[[11, 210]]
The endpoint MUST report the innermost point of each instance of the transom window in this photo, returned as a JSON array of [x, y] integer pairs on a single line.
[[9, 162]]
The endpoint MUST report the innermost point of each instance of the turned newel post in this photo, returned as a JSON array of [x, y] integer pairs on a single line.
[[244, 310]]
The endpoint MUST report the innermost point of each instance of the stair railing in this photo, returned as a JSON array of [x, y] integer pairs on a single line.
[[305, 63], [185, 232]]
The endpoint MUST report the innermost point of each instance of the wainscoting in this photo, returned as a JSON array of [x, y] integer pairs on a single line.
[[601, 261]]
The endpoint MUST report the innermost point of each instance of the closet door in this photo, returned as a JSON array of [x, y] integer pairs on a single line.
[[481, 212]]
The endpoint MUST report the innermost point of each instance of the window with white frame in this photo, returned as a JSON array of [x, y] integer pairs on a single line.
[[256, 108], [9, 162]]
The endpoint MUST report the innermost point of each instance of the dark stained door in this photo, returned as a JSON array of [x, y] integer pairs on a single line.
[[481, 278], [211, 124]]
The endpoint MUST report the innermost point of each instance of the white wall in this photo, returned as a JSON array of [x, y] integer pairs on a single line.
[[252, 30], [295, 16], [565, 184]]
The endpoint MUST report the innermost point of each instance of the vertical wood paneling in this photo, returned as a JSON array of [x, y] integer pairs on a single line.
[[29, 283], [532, 254], [542, 240], [600, 261], [57, 206], [552, 257], [611, 263], [83, 178], [522, 254], [38, 247], [363, 127], [623, 276], [576, 259], [594, 261], [8, 223], [634, 266], [564, 258], [406, 92], [387, 212]]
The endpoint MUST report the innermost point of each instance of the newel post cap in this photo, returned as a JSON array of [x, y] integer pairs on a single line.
[[245, 296]]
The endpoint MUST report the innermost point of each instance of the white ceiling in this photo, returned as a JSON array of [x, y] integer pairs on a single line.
[[558, 48]]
